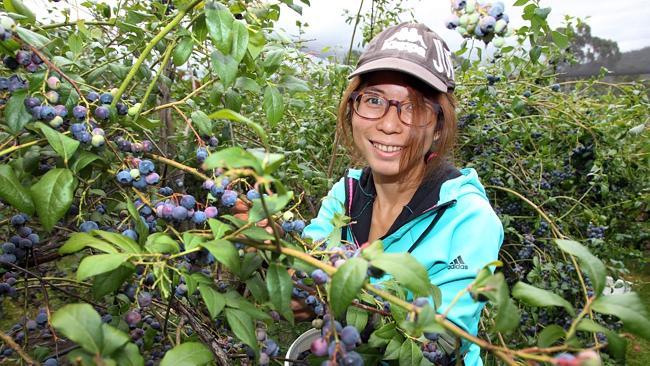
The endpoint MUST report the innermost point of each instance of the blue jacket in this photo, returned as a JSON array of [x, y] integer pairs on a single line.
[[466, 237]]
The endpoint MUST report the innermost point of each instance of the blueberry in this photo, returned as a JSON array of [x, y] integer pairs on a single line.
[[47, 113], [432, 336], [61, 110], [106, 98], [84, 137], [92, 96], [7, 258], [555, 87], [10, 63], [181, 290], [17, 220], [152, 178], [421, 301], [201, 154], [229, 198], [130, 234], [8, 247], [216, 190], [188, 201], [350, 335], [179, 213], [24, 57], [270, 348], [87, 226], [352, 359], [144, 299], [124, 177], [319, 276], [122, 109], [51, 362], [287, 226], [24, 231], [76, 128], [140, 184], [97, 140], [211, 212], [199, 217], [146, 167], [132, 318], [252, 194], [31, 102], [527, 94], [166, 191], [298, 225], [34, 238], [319, 347]]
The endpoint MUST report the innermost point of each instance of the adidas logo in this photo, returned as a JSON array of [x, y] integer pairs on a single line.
[[457, 264]]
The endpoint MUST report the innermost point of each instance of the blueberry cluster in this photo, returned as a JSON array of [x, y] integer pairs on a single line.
[[7, 285], [10, 85], [184, 209], [23, 240], [27, 59], [269, 348], [202, 152], [431, 352], [136, 148], [484, 21], [141, 174], [343, 351], [293, 225], [318, 277], [35, 328], [595, 232]]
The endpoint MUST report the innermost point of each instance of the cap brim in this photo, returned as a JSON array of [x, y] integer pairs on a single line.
[[398, 64]]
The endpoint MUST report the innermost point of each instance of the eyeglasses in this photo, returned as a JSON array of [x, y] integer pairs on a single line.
[[373, 106]]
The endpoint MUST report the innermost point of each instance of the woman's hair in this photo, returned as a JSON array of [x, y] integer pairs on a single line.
[[444, 132]]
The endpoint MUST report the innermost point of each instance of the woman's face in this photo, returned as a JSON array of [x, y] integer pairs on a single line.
[[383, 141]]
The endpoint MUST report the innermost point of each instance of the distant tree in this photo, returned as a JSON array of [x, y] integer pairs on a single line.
[[587, 48]]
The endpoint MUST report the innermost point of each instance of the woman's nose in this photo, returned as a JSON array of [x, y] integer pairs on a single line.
[[390, 122]]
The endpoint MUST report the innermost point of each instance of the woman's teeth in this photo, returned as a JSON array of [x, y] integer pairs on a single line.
[[387, 148]]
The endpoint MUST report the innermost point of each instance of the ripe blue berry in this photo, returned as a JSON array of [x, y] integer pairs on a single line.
[[51, 362], [287, 226], [166, 191], [350, 335], [140, 184], [8, 247], [229, 198], [319, 276], [132, 318], [298, 225], [201, 154], [211, 212], [129, 233], [106, 98], [152, 178], [87, 226], [47, 113], [17, 220], [217, 190], [188, 201], [124, 177], [252, 194], [146, 166], [92, 96], [199, 217], [421, 301], [179, 213]]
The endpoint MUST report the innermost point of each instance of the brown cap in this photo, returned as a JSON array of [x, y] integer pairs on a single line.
[[411, 48]]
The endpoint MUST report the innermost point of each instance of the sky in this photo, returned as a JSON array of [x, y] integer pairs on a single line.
[[624, 21]]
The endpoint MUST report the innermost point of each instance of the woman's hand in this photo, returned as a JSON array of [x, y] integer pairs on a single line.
[[301, 311]]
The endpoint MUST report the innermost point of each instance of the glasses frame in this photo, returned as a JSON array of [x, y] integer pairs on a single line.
[[398, 105]]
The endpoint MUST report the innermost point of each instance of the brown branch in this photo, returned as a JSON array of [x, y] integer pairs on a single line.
[[206, 337], [10, 342]]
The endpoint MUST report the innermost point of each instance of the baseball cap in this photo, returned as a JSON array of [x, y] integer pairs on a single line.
[[411, 48]]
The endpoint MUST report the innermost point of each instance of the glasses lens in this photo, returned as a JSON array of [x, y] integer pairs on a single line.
[[370, 106]]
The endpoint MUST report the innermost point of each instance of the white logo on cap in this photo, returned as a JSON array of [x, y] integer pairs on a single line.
[[442, 60], [406, 39]]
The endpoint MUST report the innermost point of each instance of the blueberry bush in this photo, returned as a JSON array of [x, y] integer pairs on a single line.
[[160, 160]]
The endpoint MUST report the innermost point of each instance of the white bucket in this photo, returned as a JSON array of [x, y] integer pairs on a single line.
[[301, 344]]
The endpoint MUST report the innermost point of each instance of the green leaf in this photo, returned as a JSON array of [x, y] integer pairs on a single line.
[[393, 348], [542, 12], [129, 356], [235, 300], [356, 317], [225, 66], [594, 268], [294, 84], [192, 241], [508, 316], [123, 242], [274, 204], [239, 41], [233, 158], [257, 288], [534, 53], [406, 270], [373, 250], [550, 335], [383, 335], [17, 6], [62, 144], [560, 39], [202, 121], [616, 345], [182, 51], [79, 241], [82, 160], [98, 264], [113, 339], [32, 38], [110, 282], [256, 43], [53, 195], [81, 324], [346, 283], [251, 262], [13, 192], [247, 84], [225, 253], [213, 300], [520, 2], [187, 354], [234, 116], [273, 104], [219, 229], [15, 113], [141, 228], [409, 353], [242, 325], [627, 307], [220, 22], [279, 285], [534, 296], [161, 243]]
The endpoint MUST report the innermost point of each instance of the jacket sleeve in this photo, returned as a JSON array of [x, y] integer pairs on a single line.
[[321, 226], [476, 237]]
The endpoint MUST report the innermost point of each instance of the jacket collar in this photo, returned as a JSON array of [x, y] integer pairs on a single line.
[[425, 198]]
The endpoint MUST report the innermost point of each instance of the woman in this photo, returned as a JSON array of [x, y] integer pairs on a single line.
[[398, 115]]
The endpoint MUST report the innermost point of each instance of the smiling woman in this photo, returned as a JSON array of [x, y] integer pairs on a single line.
[[397, 116]]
